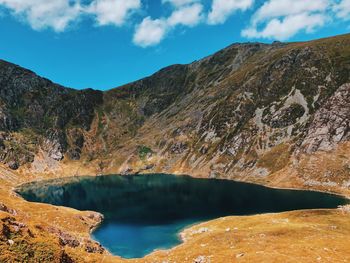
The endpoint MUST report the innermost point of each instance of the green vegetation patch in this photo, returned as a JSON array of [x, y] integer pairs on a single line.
[[143, 151]]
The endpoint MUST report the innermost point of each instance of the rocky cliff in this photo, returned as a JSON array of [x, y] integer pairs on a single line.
[[251, 112], [36, 113]]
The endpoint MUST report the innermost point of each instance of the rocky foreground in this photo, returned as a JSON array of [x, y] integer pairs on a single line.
[[277, 115]]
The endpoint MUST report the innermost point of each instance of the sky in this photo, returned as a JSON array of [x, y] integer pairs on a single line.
[[103, 44]]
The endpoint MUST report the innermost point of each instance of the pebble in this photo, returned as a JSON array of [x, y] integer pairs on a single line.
[[201, 230], [201, 259], [240, 255]]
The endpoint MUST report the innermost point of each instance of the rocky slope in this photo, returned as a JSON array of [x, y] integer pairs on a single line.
[[251, 112], [34, 111], [275, 114], [247, 113]]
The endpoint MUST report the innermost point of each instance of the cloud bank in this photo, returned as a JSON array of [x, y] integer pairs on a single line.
[[151, 32], [282, 19], [59, 14], [271, 19]]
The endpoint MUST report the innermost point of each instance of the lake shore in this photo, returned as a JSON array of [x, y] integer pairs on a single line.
[[133, 223], [78, 224]]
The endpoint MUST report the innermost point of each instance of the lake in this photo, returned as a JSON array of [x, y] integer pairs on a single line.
[[147, 212]]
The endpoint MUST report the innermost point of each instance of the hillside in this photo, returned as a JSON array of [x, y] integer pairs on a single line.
[[251, 112], [277, 115]]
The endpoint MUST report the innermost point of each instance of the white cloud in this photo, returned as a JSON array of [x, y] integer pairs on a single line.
[[282, 19], [187, 16], [274, 19], [41, 14], [150, 32], [279, 8], [222, 9], [113, 12], [58, 14], [342, 9], [287, 27]]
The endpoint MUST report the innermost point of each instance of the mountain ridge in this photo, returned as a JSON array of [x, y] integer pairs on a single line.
[[176, 64], [276, 115], [225, 115]]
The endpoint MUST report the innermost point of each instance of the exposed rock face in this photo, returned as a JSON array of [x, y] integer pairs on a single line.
[[7, 122], [331, 123], [243, 112], [36, 113], [55, 144], [6, 209]]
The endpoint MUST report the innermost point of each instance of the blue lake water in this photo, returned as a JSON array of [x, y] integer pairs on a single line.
[[146, 212]]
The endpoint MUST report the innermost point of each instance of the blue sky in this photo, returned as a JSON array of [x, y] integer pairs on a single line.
[[102, 44]]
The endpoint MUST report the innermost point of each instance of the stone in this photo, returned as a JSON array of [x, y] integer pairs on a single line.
[[178, 147], [6, 209], [201, 259], [13, 165], [74, 154], [331, 123], [202, 230]]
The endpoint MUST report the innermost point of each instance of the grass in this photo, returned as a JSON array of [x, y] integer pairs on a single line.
[[276, 159], [286, 237], [143, 151], [300, 236]]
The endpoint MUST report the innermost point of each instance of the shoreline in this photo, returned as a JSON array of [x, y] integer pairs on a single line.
[[181, 234], [339, 194]]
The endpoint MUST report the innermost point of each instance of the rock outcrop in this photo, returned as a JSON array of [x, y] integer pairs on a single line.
[[331, 123], [243, 113], [36, 113]]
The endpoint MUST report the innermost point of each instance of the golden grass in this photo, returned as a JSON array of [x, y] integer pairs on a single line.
[[276, 158], [302, 236]]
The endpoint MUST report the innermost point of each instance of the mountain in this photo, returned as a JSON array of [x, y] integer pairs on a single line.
[[275, 114]]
